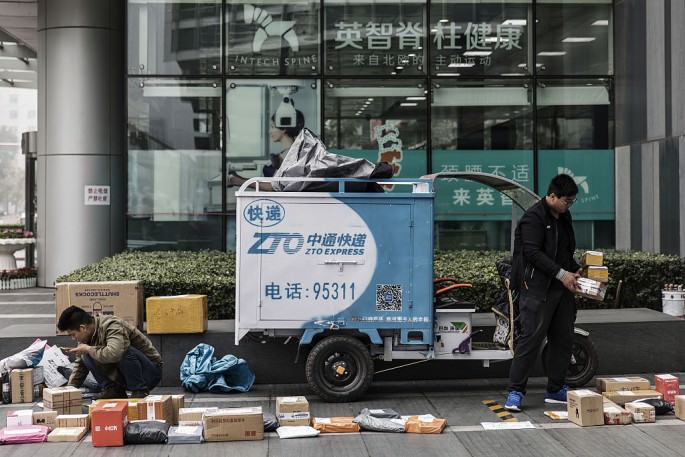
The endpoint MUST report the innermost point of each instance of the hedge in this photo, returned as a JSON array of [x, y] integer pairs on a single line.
[[213, 273]]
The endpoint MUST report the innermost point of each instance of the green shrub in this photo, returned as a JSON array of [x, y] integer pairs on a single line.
[[171, 273], [213, 273]]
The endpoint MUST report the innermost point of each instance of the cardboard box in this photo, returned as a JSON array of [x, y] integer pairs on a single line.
[[622, 383], [615, 415], [424, 424], [47, 418], [592, 289], [156, 407], [62, 397], [641, 412], [234, 424], [21, 385], [67, 434], [679, 406], [176, 314], [73, 420], [596, 273], [123, 299], [622, 397], [595, 258], [335, 424], [292, 410], [19, 417], [668, 385], [585, 407], [132, 406], [177, 402], [193, 416], [108, 421]]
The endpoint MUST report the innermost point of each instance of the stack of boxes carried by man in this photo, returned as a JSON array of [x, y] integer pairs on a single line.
[[594, 277]]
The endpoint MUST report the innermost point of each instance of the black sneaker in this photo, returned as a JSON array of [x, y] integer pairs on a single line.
[[114, 392], [140, 393]]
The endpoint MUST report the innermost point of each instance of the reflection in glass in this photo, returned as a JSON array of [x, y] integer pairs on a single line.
[[272, 38], [480, 38], [174, 152], [574, 37], [174, 37]]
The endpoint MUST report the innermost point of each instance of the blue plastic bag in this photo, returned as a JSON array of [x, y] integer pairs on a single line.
[[202, 372]]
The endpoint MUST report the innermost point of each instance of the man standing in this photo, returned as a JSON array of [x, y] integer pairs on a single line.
[[545, 273], [120, 357]]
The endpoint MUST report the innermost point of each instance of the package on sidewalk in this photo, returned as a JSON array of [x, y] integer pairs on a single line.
[[132, 406], [177, 402], [600, 274], [156, 407], [176, 314], [193, 416], [45, 417], [185, 434], [23, 434], [146, 432], [661, 407], [270, 422], [668, 385], [679, 401], [296, 431], [234, 424], [424, 423], [21, 385], [591, 289], [614, 414], [595, 258], [67, 434], [585, 407], [65, 400], [622, 397], [292, 410], [380, 413], [641, 412], [108, 421], [378, 424], [19, 417], [335, 424], [73, 420], [622, 383], [123, 299]]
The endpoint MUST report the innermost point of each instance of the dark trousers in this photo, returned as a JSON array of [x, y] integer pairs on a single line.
[[136, 371], [553, 318]]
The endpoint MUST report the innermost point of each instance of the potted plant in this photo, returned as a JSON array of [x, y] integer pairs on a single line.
[[13, 238]]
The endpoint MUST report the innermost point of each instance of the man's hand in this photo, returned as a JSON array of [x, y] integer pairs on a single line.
[[570, 281], [82, 348]]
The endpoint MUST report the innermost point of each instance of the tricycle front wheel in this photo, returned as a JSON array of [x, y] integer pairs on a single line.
[[339, 368]]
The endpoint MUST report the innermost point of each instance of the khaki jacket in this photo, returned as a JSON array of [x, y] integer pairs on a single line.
[[111, 340]]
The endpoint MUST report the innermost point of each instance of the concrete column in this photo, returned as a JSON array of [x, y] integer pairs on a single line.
[[623, 203], [650, 198], [81, 133]]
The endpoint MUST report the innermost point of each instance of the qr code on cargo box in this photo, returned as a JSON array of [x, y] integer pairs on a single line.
[[388, 297]]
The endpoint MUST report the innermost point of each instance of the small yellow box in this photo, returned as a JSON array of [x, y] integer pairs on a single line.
[[600, 274], [176, 314], [592, 258]]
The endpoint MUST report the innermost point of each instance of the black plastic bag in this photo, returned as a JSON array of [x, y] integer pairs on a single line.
[[381, 413], [661, 407], [270, 422], [146, 432]]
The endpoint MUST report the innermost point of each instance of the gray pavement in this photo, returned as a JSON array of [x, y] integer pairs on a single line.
[[457, 400]]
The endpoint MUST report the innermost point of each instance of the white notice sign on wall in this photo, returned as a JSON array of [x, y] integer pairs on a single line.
[[96, 195]]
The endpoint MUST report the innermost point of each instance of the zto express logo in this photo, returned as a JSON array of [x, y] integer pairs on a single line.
[[581, 181], [270, 28], [264, 213]]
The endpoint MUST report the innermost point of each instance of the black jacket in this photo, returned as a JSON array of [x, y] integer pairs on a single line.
[[535, 249]]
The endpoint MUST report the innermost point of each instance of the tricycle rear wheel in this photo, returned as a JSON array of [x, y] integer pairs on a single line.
[[339, 368]]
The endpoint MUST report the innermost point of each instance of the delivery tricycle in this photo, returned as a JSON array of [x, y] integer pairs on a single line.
[[350, 275]]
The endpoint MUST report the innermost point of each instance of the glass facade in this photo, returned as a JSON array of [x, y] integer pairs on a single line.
[[519, 88]]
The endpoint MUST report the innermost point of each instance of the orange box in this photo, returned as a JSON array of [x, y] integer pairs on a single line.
[[668, 386], [424, 424], [108, 422]]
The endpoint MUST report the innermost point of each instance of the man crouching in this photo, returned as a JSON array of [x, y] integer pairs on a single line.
[[120, 357]]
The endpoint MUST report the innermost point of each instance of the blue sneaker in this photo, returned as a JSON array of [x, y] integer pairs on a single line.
[[557, 397], [514, 400]]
